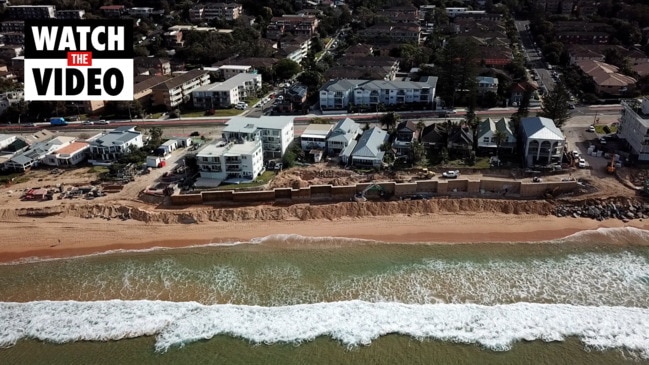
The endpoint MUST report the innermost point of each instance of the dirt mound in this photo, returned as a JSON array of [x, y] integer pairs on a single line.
[[303, 177], [293, 212]]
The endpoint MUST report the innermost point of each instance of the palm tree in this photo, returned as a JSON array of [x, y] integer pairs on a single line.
[[390, 120], [420, 127], [500, 137]]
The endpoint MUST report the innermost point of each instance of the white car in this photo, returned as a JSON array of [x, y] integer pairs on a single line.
[[581, 163], [103, 122], [452, 174], [575, 154], [88, 122], [591, 128], [602, 140]]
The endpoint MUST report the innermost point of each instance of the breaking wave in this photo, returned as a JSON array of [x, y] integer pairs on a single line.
[[352, 323]]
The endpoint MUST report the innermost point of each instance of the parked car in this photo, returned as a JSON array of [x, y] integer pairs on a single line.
[[591, 128], [88, 122], [602, 140], [452, 174], [575, 154], [581, 163]]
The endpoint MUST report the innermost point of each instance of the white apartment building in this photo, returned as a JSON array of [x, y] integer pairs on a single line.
[[231, 160], [338, 94], [227, 93], [634, 127], [207, 12], [276, 132], [111, 146]]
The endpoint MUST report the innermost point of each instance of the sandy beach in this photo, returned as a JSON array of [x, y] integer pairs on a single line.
[[71, 236]]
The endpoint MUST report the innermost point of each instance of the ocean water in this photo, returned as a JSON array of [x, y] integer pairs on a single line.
[[289, 299]]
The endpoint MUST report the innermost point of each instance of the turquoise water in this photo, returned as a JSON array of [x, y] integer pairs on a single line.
[[288, 299]]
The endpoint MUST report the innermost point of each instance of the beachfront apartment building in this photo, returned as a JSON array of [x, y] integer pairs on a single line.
[[227, 93], [233, 160], [114, 144], [339, 94], [276, 132], [634, 128], [178, 90]]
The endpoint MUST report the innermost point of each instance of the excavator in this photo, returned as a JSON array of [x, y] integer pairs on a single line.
[[360, 197], [610, 168]]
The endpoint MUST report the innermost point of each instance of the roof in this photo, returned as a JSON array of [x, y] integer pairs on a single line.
[[264, 122], [345, 85], [434, 133], [461, 135], [344, 130], [488, 80], [111, 7], [229, 149], [604, 74], [407, 124], [369, 145], [541, 128], [503, 124], [149, 83], [72, 148], [117, 136], [179, 80], [229, 84], [317, 130], [40, 136]]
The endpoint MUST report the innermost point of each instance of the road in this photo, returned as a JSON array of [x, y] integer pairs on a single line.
[[533, 56]]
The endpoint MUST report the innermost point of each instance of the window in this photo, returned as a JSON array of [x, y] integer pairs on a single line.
[[485, 140]]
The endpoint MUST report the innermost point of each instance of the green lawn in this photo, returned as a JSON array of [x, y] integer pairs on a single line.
[[262, 179], [480, 163], [98, 170], [252, 101], [600, 129], [156, 115]]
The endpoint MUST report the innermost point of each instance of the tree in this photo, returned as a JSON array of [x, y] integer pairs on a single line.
[[420, 127], [155, 136], [311, 79], [457, 73], [500, 137], [555, 105], [390, 120], [285, 69], [524, 104]]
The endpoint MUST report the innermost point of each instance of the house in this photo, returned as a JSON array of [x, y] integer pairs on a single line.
[[434, 136], [315, 136], [10, 98], [276, 133], [367, 152], [69, 155], [338, 94], [233, 160], [460, 139], [519, 90], [606, 78], [341, 136], [487, 141], [294, 100], [36, 152], [406, 133], [178, 90], [112, 145], [487, 84], [159, 66], [227, 93], [634, 128], [542, 142]]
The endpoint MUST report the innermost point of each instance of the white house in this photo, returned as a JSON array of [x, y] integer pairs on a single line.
[[487, 134], [227, 93], [68, 155], [112, 145], [224, 161], [342, 134], [486, 84], [35, 154], [634, 128], [338, 94], [276, 132], [315, 136], [543, 143]]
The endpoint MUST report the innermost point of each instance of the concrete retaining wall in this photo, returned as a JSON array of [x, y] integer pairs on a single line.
[[391, 189]]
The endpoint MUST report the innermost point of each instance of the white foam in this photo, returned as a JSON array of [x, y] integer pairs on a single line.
[[351, 322]]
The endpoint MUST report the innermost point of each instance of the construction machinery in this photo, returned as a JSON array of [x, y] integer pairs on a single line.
[[610, 168], [360, 197], [425, 174]]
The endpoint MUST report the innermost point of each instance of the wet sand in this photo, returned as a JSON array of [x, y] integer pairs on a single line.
[[69, 236]]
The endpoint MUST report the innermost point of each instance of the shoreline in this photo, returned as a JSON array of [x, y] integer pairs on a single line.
[[64, 237]]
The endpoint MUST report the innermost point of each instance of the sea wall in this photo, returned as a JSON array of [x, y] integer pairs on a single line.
[[329, 193]]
